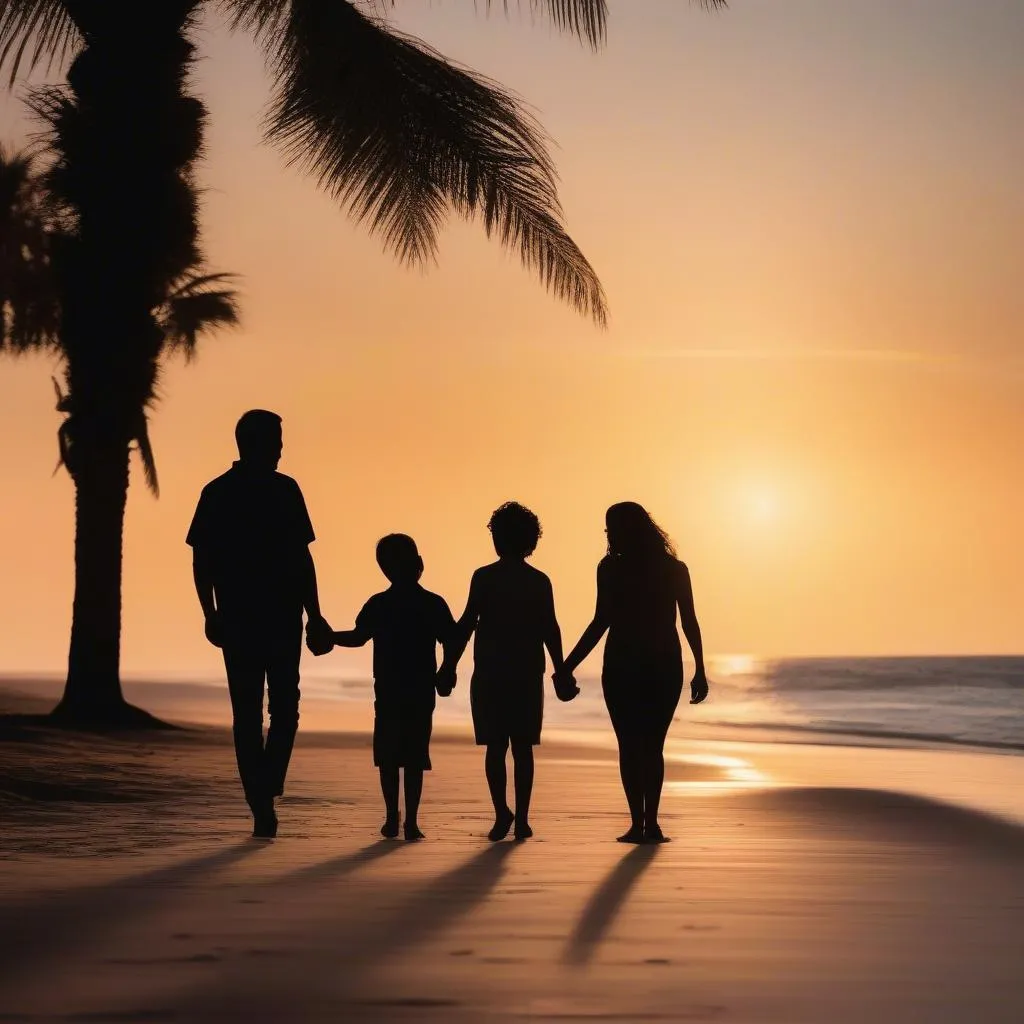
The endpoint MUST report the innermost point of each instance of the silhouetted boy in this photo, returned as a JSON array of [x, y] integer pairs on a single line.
[[511, 609], [405, 623], [254, 575]]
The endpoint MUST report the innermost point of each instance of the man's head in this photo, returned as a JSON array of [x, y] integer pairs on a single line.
[[258, 436], [515, 530], [398, 558]]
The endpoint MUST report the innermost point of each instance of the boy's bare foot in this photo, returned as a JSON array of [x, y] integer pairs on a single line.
[[502, 824], [389, 830], [653, 834], [523, 830], [635, 835], [413, 833]]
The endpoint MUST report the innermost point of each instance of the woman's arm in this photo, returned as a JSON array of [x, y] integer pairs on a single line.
[[691, 630], [598, 624]]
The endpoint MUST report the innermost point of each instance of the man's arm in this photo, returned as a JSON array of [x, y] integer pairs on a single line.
[[310, 592], [202, 576]]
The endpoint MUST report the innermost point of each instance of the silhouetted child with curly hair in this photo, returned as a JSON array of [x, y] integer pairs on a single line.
[[405, 623], [511, 609]]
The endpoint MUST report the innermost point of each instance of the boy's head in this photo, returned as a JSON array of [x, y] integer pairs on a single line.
[[515, 530], [398, 558]]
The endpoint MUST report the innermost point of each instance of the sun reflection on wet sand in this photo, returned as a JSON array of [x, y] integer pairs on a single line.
[[713, 772]]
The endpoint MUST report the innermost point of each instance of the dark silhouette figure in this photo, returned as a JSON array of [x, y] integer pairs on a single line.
[[405, 622], [511, 609], [640, 585], [254, 575]]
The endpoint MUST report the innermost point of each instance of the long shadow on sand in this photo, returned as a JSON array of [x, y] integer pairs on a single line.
[[338, 955], [604, 906], [57, 924], [325, 870]]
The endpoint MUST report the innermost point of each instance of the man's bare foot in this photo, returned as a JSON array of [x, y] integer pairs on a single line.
[[635, 836], [523, 830], [412, 832], [653, 834], [502, 824], [389, 830]]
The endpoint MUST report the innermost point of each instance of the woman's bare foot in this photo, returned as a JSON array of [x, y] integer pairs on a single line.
[[412, 832], [653, 834], [389, 830], [523, 830], [635, 836], [502, 824]]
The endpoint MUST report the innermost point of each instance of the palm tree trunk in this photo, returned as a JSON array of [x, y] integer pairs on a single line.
[[126, 134], [93, 691]]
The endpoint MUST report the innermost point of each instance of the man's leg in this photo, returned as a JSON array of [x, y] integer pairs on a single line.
[[246, 672], [283, 702]]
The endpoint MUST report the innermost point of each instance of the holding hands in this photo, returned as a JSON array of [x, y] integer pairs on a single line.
[[445, 680], [565, 685], [319, 636]]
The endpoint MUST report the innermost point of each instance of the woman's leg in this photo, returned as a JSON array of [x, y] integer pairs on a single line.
[[497, 783], [631, 771], [654, 767], [522, 761]]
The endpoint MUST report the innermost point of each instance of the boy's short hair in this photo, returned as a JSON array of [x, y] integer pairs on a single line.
[[399, 558], [515, 530]]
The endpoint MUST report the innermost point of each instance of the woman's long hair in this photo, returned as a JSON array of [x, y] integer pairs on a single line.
[[633, 534]]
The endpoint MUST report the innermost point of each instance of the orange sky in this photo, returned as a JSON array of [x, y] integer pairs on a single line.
[[809, 218]]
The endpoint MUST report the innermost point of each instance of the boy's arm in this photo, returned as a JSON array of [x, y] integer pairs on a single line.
[[552, 633], [350, 637], [463, 629]]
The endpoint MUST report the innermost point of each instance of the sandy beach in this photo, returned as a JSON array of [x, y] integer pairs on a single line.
[[130, 891]]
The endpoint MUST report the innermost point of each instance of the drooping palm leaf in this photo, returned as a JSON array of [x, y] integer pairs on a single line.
[[403, 136], [34, 32], [196, 307]]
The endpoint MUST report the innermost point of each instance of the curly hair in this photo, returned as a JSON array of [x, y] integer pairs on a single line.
[[515, 530]]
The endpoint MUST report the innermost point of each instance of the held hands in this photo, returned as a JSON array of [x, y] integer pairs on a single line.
[[698, 687], [565, 685], [319, 636], [445, 680]]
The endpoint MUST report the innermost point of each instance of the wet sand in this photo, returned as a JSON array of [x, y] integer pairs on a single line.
[[130, 891]]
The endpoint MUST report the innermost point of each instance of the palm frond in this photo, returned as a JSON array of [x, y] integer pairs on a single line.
[[587, 19], [402, 137], [29, 309], [195, 307], [33, 32], [145, 448]]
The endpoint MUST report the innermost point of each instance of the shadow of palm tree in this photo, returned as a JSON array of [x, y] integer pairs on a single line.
[[55, 924], [604, 905]]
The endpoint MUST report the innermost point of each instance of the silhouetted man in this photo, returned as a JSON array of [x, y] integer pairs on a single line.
[[254, 575]]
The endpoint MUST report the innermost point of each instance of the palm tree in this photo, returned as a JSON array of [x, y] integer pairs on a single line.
[[384, 123], [38, 232]]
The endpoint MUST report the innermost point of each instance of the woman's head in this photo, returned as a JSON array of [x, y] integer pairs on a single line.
[[634, 534]]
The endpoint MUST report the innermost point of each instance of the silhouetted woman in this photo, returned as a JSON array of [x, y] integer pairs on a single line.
[[640, 584]]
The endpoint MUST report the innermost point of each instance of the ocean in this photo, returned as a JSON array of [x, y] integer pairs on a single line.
[[939, 701]]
